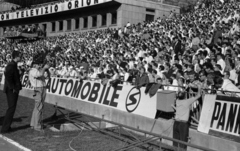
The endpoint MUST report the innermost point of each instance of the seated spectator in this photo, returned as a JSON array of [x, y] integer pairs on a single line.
[[142, 78], [224, 84], [101, 74], [83, 75], [72, 72]]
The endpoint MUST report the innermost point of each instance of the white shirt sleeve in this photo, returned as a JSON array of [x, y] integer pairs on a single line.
[[36, 73]]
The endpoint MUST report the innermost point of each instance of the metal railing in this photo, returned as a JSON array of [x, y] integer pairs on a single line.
[[196, 109], [151, 140]]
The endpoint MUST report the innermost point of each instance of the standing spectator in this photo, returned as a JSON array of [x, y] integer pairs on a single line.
[[181, 124], [37, 80], [12, 86], [177, 45]]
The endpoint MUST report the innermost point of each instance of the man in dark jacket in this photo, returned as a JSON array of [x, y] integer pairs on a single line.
[[142, 79], [216, 34], [177, 46], [12, 86], [84, 64]]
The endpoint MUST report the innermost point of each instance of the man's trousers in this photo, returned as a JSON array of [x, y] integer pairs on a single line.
[[39, 97]]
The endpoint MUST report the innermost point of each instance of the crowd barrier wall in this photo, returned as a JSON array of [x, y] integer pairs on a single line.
[[122, 97], [143, 120]]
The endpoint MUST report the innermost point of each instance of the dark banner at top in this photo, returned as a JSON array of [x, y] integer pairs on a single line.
[[50, 9]]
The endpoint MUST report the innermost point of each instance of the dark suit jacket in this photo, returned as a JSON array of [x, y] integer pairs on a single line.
[[142, 80], [101, 75], [216, 34], [177, 47], [12, 77]]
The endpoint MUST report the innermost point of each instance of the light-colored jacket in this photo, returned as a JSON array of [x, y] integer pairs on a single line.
[[229, 86]]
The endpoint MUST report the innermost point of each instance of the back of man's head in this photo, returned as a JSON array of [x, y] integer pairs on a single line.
[[181, 95], [218, 81], [15, 54]]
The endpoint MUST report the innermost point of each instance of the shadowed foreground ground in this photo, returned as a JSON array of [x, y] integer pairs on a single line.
[[51, 141]]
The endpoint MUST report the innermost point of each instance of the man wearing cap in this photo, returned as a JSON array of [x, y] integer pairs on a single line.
[[37, 80], [12, 86]]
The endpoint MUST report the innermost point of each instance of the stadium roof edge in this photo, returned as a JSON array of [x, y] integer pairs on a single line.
[[141, 2]]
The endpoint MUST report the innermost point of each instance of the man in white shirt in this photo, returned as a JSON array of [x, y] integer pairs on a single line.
[[181, 125], [37, 80], [226, 85], [72, 72], [221, 62], [128, 24], [148, 58], [140, 54], [65, 70], [222, 1], [126, 76], [233, 72]]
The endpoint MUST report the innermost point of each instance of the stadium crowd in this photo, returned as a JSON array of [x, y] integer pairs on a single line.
[[201, 47], [26, 29]]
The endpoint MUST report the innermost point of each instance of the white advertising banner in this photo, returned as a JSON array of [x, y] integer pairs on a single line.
[[50, 9], [123, 97], [2, 78], [207, 111], [221, 116]]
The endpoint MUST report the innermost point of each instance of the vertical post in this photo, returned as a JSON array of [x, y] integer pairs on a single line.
[[100, 123], [160, 147], [120, 130]]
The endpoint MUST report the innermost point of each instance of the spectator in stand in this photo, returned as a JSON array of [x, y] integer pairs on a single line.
[[142, 78], [224, 84], [101, 74], [84, 64], [64, 73], [72, 72], [221, 62], [83, 75]]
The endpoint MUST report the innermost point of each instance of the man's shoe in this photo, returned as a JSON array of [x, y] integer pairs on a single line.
[[10, 129], [4, 132], [39, 130]]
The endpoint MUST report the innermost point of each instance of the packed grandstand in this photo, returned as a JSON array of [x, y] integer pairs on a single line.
[[201, 47], [204, 43]]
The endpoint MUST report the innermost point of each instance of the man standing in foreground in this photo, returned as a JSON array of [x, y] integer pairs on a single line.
[[37, 80], [12, 86], [181, 124]]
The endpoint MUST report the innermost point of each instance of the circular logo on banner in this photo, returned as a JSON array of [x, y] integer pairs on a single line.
[[133, 99]]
